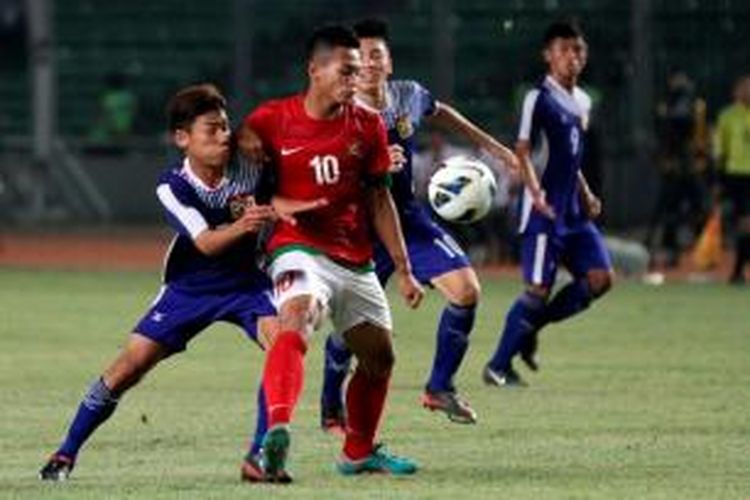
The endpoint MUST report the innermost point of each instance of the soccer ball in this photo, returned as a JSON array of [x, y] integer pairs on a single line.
[[462, 190]]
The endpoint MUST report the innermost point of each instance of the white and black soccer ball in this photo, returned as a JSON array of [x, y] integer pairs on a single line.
[[462, 190]]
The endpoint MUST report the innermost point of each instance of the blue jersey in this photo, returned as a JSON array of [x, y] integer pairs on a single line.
[[432, 251], [192, 207], [554, 120], [407, 103]]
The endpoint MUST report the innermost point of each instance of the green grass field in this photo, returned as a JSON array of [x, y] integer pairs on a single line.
[[646, 395]]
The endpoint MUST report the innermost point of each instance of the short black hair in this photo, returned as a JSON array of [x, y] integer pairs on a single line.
[[191, 102], [561, 29], [330, 37], [371, 27]]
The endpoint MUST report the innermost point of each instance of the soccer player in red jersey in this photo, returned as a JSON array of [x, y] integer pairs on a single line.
[[323, 147]]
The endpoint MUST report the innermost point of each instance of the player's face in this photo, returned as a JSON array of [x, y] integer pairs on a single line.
[[377, 65], [566, 58], [207, 140], [335, 73]]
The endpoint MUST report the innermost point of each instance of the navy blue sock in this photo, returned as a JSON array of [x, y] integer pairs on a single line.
[[570, 300], [97, 406], [261, 424], [454, 328], [337, 362], [525, 316]]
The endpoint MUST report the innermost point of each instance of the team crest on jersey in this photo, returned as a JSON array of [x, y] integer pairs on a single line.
[[355, 149], [404, 127], [238, 203]]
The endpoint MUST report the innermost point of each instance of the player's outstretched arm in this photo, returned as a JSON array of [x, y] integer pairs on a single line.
[[388, 229], [530, 180], [449, 117], [213, 242]]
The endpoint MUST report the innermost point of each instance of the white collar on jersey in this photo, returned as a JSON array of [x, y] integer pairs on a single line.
[[196, 181], [577, 102], [388, 101]]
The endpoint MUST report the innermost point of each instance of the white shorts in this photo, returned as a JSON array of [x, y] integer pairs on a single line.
[[351, 297]]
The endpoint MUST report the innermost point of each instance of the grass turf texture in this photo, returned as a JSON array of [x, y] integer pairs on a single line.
[[646, 395]]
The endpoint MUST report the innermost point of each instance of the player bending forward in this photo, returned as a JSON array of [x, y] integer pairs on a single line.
[[322, 146], [554, 228], [209, 275]]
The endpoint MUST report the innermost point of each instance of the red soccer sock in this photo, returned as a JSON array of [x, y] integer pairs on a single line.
[[365, 400], [283, 376]]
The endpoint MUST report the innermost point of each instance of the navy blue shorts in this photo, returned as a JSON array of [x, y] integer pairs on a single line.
[[176, 316], [580, 250], [432, 250]]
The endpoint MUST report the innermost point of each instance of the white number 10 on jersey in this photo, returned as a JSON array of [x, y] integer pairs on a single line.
[[326, 169]]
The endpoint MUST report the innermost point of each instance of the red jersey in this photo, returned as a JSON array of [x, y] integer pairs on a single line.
[[333, 159]]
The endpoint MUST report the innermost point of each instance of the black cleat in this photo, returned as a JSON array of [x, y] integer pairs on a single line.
[[500, 378], [58, 468]]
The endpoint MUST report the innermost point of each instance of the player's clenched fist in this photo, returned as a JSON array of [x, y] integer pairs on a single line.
[[397, 156], [410, 289]]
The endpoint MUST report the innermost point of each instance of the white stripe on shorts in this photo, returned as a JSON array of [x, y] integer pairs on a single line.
[[539, 252]]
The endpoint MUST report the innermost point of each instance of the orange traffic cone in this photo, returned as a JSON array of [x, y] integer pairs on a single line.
[[707, 252]]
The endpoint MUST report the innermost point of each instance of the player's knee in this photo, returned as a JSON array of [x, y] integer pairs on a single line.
[[600, 282], [467, 294], [298, 315], [379, 363]]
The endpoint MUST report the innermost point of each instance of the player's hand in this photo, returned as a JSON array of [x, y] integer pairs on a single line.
[[593, 205], [251, 146], [398, 159], [255, 217], [410, 289], [286, 208], [539, 200]]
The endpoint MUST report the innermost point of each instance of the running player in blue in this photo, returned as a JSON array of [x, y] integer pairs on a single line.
[[436, 258], [210, 273], [557, 208]]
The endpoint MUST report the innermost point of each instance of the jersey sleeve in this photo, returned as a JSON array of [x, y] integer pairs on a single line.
[[379, 160], [424, 101], [180, 208], [262, 121], [528, 113]]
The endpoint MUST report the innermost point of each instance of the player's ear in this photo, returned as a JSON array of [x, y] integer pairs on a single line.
[[181, 138], [312, 68], [546, 54]]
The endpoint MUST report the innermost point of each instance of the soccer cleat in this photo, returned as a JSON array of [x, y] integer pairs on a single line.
[[529, 351], [451, 404], [252, 471], [501, 378], [275, 451], [58, 468], [333, 420], [379, 461]]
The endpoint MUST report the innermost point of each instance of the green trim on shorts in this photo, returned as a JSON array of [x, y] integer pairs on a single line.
[[383, 180], [299, 247]]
